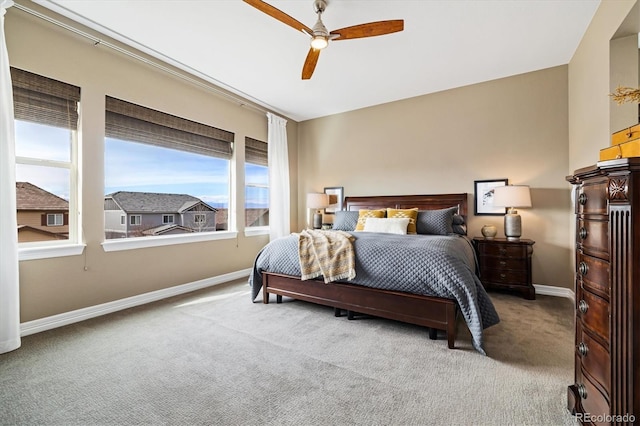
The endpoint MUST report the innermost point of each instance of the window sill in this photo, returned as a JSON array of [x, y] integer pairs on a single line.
[[46, 252], [256, 230], [167, 240]]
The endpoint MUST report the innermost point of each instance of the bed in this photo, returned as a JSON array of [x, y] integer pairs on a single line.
[[431, 290]]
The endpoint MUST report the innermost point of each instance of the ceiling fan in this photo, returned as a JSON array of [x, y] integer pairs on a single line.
[[319, 34]]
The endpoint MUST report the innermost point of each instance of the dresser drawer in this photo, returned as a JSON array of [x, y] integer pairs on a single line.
[[593, 402], [505, 276], [591, 197], [594, 313], [594, 274], [595, 360], [592, 237]]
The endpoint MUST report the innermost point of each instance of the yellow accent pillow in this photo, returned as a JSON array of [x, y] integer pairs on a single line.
[[412, 214], [363, 215]]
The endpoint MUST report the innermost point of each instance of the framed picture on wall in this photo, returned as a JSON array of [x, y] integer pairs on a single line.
[[336, 198], [483, 197]]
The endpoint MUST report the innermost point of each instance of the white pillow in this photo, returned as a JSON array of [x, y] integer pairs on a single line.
[[389, 225]]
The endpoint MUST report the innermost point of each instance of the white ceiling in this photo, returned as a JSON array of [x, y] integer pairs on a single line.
[[445, 44]]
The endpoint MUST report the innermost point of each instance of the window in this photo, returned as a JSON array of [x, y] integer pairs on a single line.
[[55, 219], [46, 113], [123, 220], [136, 219], [199, 218], [156, 162], [256, 194]]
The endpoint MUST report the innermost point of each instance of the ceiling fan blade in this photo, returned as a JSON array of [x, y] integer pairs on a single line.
[[310, 63], [279, 15], [368, 30]]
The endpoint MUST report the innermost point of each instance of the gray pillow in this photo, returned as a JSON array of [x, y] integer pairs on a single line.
[[345, 220], [436, 222], [459, 227]]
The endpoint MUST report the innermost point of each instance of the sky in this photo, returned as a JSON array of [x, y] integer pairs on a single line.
[[131, 166]]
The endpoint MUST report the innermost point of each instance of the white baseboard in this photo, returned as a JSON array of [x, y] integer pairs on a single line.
[[549, 290], [59, 320]]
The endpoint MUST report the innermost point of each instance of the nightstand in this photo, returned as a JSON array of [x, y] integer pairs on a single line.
[[506, 264]]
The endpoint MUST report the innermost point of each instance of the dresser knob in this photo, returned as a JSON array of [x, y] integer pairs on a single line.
[[503, 263], [583, 349], [583, 268], [503, 276], [582, 391], [503, 251], [583, 306], [582, 198], [583, 233]]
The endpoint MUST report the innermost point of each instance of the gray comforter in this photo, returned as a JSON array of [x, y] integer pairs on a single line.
[[431, 265]]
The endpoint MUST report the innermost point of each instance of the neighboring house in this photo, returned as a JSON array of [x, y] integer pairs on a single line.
[[41, 215], [257, 217], [137, 214]]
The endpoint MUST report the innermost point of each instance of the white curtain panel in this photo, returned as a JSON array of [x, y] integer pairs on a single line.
[[279, 202], [9, 285]]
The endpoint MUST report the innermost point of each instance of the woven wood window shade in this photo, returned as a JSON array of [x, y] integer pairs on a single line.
[[256, 152], [44, 100], [131, 122]]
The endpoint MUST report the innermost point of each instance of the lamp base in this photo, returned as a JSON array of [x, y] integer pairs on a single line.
[[317, 220], [512, 225]]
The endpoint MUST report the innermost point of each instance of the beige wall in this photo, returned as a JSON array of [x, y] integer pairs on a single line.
[[623, 72], [513, 128], [57, 285], [589, 83]]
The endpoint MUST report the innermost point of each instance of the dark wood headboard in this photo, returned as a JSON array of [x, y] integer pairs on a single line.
[[422, 202]]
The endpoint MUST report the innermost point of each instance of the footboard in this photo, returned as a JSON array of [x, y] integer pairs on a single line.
[[433, 312]]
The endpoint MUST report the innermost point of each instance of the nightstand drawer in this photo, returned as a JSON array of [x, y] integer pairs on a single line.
[[503, 250], [505, 276], [503, 263]]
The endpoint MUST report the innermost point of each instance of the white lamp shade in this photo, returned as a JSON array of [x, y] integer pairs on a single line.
[[316, 200], [512, 196]]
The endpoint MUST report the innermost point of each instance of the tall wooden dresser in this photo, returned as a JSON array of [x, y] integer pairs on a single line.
[[607, 288]]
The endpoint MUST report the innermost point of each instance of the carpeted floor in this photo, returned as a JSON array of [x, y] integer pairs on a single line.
[[214, 358]]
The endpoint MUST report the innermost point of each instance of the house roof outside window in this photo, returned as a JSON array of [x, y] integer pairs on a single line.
[[31, 197], [149, 202]]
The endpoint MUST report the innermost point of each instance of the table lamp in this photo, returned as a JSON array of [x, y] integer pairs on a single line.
[[512, 196], [317, 201]]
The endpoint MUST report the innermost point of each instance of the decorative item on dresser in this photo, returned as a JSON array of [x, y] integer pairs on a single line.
[[607, 286], [506, 264]]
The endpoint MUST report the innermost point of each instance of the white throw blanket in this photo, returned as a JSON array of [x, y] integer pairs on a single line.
[[326, 253]]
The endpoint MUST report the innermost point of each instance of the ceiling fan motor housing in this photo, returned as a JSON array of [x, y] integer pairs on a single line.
[[319, 6]]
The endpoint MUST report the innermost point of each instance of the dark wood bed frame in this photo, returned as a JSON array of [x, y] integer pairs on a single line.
[[433, 312]]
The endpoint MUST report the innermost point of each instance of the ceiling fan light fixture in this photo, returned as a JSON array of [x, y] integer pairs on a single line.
[[319, 42], [319, 34]]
